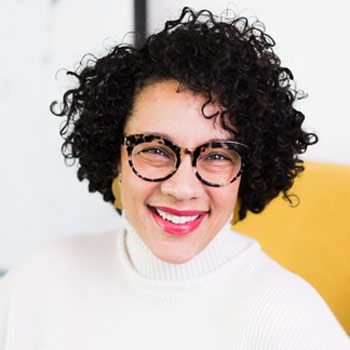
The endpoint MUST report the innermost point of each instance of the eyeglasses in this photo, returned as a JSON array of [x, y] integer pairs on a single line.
[[155, 158]]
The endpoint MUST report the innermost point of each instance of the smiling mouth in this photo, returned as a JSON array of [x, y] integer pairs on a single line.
[[174, 218], [181, 224]]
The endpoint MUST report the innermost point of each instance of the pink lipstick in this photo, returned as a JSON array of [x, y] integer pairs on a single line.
[[179, 229]]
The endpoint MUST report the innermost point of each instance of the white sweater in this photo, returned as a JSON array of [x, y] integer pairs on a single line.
[[108, 291]]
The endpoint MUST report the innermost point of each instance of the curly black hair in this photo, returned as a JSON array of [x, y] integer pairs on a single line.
[[232, 60]]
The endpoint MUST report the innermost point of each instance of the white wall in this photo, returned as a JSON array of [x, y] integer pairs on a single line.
[[313, 41], [42, 198]]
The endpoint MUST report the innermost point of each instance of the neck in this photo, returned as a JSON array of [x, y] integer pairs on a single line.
[[223, 248]]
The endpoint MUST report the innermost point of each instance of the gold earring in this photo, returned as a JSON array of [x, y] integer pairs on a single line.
[[235, 218], [116, 191]]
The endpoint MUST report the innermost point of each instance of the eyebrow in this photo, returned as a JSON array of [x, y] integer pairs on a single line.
[[167, 136]]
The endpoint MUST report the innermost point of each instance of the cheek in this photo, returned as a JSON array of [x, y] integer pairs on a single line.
[[225, 199], [128, 186], [134, 191]]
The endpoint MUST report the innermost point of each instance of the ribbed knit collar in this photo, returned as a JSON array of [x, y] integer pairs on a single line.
[[223, 248]]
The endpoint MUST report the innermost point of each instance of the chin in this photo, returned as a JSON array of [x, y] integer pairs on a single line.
[[175, 258]]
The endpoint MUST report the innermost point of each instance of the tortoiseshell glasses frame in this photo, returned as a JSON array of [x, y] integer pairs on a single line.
[[155, 145]]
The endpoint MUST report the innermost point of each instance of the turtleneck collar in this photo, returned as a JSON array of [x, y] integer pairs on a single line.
[[223, 248]]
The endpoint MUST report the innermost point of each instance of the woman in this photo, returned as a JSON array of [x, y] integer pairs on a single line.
[[194, 126]]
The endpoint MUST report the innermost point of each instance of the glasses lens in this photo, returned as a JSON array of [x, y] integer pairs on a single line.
[[219, 165], [153, 160]]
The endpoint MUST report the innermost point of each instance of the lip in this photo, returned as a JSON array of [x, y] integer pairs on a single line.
[[178, 229]]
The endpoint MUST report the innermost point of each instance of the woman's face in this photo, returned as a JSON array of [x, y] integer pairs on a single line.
[[160, 109]]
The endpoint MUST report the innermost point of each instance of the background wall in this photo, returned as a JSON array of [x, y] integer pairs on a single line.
[[312, 40], [41, 197]]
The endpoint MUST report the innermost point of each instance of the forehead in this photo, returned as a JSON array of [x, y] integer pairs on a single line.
[[164, 109]]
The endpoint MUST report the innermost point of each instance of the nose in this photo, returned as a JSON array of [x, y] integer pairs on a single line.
[[184, 184]]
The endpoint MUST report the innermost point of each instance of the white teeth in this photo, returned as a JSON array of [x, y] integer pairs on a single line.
[[176, 219]]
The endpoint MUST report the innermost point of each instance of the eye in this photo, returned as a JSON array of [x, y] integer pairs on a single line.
[[219, 158], [154, 151], [216, 156]]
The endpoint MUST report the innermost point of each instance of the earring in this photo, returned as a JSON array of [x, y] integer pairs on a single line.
[[116, 191], [235, 218]]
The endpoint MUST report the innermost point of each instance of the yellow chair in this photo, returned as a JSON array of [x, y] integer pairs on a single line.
[[312, 239]]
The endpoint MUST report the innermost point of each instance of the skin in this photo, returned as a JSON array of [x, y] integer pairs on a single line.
[[176, 114]]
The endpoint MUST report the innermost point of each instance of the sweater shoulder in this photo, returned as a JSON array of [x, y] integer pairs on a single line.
[[286, 309], [59, 256], [54, 270]]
